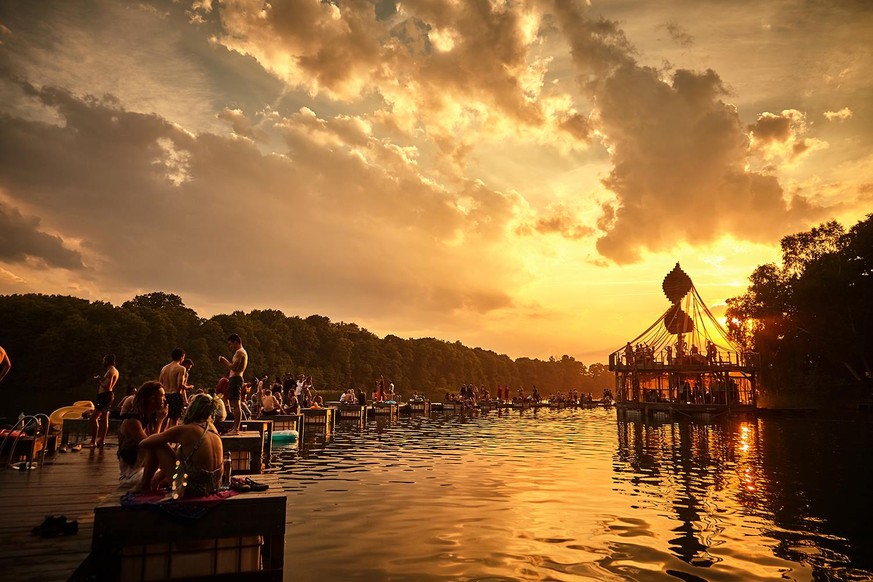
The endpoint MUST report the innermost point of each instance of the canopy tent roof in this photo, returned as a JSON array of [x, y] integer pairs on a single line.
[[688, 318]]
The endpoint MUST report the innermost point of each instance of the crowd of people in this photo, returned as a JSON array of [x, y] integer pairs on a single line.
[[167, 426], [470, 395], [644, 355]]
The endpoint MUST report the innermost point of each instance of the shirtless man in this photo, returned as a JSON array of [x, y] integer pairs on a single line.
[[5, 363], [172, 378], [236, 366], [105, 396], [187, 363]]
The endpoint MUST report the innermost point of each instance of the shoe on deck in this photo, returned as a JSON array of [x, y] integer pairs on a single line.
[[255, 486], [56, 525]]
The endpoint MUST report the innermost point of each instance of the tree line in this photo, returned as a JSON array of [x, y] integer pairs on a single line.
[[811, 317], [56, 344]]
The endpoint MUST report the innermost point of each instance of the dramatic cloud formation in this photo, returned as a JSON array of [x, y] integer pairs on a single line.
[[21, 239], [460, 169]]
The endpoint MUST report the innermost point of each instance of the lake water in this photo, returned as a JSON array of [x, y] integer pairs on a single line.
[[577, 495]]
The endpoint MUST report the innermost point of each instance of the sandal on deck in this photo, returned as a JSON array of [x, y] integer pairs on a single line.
[[56, 525], [240, 486], [256, 486]]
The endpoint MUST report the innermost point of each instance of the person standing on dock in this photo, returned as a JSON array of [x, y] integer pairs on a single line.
[[5, 363], [236, 366], [172, 378], [105, 396], [187, 363]]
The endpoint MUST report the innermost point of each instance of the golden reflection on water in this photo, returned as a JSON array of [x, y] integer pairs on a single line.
[[563, 495], [704, 477]]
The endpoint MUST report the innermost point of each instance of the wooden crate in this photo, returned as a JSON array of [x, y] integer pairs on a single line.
[[242, 538], [246, 451]]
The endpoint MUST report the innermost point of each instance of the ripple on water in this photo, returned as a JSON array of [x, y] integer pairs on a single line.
[[555, 495]]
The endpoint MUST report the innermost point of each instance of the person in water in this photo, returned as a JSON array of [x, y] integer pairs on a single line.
[[199, 454], [145, 417]]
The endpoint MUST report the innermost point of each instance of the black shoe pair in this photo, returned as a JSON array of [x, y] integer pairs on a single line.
[[55, 526], [256, 486]]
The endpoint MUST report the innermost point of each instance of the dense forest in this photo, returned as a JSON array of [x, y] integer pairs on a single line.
[[811, 318], [57, 343]]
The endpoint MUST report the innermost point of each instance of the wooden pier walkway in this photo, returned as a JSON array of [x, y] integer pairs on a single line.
[[70, 484]]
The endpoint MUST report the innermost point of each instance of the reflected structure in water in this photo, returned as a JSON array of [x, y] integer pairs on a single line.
[[794, 487]]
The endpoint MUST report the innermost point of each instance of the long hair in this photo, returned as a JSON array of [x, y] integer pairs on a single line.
[[140, 402]]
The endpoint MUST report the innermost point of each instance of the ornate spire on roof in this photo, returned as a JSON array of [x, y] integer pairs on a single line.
[[677, 284]]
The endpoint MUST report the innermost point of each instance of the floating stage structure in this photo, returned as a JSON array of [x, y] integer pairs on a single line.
[[684, 364]]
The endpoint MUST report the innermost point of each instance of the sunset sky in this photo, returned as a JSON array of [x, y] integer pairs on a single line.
[[518, 176]]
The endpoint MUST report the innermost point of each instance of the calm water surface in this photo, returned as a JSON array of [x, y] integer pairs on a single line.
[[577, 495]]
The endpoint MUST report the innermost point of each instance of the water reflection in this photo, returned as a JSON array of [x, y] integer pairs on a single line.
[[799, 489], [575, 495]]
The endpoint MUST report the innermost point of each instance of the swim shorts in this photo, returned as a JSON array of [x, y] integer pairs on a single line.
[[174, 405], [234, 388], [104, 401]]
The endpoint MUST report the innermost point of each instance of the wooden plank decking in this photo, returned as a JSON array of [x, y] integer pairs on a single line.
[[70, 484]]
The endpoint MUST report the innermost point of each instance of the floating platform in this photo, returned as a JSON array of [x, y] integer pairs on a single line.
[[262, 426], [320, 419], [246, 451], [419, 406], [352, 412], [389, 409]]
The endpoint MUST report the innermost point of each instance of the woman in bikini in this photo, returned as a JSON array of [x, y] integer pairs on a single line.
[[199, 454]]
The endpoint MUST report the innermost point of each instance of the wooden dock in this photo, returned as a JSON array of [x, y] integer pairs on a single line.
[[71, 484]]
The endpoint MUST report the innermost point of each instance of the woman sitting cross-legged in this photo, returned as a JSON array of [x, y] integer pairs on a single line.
[[195, 468]]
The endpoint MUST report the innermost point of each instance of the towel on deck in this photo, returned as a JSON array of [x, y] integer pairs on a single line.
[[185, 510]]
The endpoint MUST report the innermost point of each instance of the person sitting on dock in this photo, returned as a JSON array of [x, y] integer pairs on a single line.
[[269, 404], [292, 406], [199, 455], [362, 398], [146, 415], [126, 404]]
